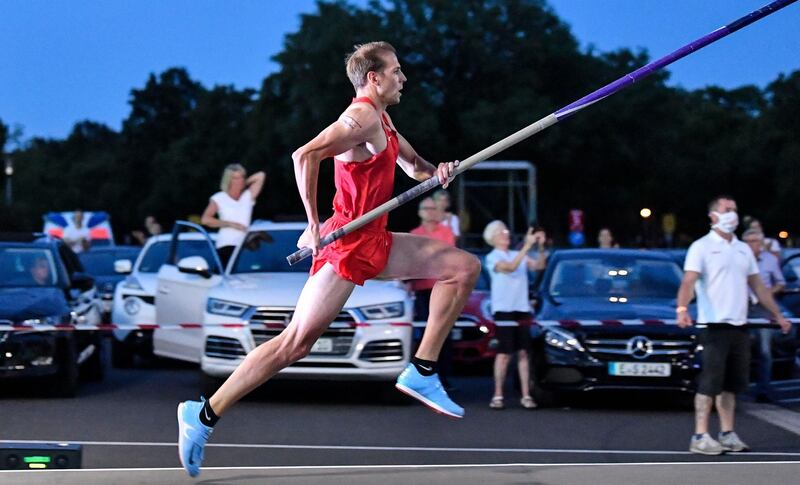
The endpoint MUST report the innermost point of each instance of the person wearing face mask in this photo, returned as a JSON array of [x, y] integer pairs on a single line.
[[718, 269]]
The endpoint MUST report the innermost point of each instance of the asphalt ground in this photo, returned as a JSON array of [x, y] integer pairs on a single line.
[[334, 432]]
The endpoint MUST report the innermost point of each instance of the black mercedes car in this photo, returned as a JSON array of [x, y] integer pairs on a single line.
[[602, 320], [42, 282]]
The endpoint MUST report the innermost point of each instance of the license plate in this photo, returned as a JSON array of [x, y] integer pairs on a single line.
[[323, 345], [456, 334], [639, 369]]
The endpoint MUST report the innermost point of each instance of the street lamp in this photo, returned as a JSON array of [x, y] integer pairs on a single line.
[[645, 213], [9, 173]]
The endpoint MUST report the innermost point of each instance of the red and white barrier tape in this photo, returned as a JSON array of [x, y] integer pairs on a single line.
[[279, 326]]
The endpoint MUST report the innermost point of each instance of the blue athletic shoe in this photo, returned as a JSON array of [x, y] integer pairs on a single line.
[[429, 391], [192, 436]]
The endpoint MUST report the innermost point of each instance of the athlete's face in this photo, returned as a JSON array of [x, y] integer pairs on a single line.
[[390, 79]]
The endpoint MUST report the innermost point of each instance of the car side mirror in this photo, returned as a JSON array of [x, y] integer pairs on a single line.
[[82, 281], [194, 265], [123, 266]]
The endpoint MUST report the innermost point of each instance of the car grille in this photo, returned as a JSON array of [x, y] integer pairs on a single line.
[[383, 351], [659, 348], [224, 348], [341, 331]]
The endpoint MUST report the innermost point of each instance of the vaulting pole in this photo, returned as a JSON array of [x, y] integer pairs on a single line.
[[548, 121]]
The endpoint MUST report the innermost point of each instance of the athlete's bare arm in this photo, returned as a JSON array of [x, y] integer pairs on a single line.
[[417, 167], [356, 127], [412, 164]]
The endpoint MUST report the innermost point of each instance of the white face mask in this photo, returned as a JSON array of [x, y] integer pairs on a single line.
[[726, 222]]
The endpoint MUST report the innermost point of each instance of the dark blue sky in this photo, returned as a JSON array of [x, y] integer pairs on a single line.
[[65, 61]]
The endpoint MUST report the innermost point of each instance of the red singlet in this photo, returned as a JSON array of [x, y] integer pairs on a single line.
[[361, 187]]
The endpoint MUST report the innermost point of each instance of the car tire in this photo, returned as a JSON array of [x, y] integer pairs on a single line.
[[545, 398], [65, 382], [94, 368], [209, 384], [122, 356]]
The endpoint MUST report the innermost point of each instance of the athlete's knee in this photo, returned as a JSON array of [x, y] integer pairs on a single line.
[[470, 268]]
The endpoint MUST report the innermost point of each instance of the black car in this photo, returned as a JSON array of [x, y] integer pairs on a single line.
[[602, 314], [109, 265], [42, 282]]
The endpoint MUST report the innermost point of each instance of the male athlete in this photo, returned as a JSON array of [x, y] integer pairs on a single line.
[[365, 146]]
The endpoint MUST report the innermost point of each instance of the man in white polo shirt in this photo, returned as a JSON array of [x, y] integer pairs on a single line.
[[719, 269]]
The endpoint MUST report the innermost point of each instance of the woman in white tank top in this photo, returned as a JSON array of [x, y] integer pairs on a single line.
[[231, 209]]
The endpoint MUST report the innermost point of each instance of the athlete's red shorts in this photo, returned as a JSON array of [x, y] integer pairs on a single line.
[[358, 256]]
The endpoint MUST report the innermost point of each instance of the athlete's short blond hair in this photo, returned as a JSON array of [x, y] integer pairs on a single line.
[[365, 58]]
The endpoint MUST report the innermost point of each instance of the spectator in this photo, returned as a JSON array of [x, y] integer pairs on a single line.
[[719, 268], [77, 236], [605, 239], [511, 305], [151, 226], [233, 206], [770, 245], [430, 226], [40, 271], [772, 277], [442, 198]]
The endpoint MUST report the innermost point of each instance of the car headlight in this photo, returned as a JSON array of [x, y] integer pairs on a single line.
[[132, 305], [132, 283], [386, 310], [222, 307], [49, 320], [561, 339]]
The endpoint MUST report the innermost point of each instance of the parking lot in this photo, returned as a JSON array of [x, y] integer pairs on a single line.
[[300, 432]]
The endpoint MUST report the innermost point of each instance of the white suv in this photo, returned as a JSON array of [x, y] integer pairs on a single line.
[[369, 340], [134, 297]]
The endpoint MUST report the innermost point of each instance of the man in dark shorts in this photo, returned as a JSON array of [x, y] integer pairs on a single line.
[[718, 268], [511, 306]]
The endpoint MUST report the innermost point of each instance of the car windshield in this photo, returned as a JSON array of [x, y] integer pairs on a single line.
[[791, 270], [32, 267], [101, 263], [265, 252], [615, 278], [156, 255]]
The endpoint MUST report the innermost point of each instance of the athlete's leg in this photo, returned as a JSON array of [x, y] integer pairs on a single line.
[[321, 300], [456, 272]]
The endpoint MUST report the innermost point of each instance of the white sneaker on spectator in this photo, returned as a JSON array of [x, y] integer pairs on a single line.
[[732, 442], [705, 445]]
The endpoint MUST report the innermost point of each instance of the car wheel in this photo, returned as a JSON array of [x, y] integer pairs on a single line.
[[121, 355], [545, 398], [783, 370], [94, 369], [209, 384], [65, 382]]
